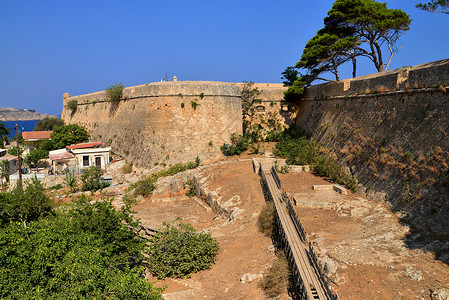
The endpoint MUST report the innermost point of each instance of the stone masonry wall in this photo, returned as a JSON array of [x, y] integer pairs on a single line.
[[157, 122], [391, 130]]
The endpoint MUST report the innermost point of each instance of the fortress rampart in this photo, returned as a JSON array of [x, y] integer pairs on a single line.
[[164, 122], [391, 130]]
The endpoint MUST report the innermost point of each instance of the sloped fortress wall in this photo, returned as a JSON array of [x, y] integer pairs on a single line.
[[391, 130], [164, 122]]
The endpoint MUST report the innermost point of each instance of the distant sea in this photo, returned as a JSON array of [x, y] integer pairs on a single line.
[[22, 126]]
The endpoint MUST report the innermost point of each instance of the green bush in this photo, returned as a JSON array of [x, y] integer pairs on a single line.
[[299, 150], [86, 251], [91, 180], [70, 181], [191, 192], [239, 144], [24, 204], [72, 105], [114, 93], [178, 251], [146, 185]]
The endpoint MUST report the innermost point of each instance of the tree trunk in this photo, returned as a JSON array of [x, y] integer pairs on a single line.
[[380, 66], [354, 66]]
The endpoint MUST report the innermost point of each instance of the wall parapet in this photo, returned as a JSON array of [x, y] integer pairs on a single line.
[[433, 75]]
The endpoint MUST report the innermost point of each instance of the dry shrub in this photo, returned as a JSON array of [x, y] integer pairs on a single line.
[[266, 221], [382, 89], [276, 281], [439, 150], [127, 168]]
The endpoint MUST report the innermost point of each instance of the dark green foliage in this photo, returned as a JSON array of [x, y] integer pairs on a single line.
[[72, 105], [371, 23], [439, 6], [114, 93], [47, 145], [239, 144], [34, 156], [191, 192], [249, 98], [299, 150], [289, 75], [194, 104], [13, 150], [56, 187], [91, 179], [48, 123], [178, 251], [67, 135], [295, 91], [266, 221], [328, 49], [87, 251], [276, 281], [3, 134], [146, 185], [24, 204]]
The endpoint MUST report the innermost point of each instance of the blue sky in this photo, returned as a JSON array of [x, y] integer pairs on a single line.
[[51, 47]]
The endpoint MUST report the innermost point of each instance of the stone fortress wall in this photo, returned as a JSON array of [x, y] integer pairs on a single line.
[[163, 122], [391, 130]]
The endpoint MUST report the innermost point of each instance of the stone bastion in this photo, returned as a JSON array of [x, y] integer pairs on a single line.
[[163, 122]]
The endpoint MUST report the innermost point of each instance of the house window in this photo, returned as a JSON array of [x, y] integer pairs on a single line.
[[85, 160]]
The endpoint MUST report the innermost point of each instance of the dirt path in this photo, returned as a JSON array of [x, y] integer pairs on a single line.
[[363, 244]]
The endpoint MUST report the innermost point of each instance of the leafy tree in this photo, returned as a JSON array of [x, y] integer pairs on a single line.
[[91, 179], [327, 50], [3, 134], [48, 123], [372, 24], [438, 6], [249, 98], [34, 156], [296, 90], [178, 250], [47, 145], [289, 75], [67, 135]]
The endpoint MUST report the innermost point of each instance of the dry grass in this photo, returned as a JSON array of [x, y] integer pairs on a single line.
[[266, 222], [127, 168], [276, 281]]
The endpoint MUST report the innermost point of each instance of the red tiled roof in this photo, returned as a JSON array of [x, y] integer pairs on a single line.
[[61, 156], [36, 135], [86, 145]]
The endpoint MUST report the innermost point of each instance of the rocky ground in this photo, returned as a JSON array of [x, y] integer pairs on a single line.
[[364, 248], [14, 114]]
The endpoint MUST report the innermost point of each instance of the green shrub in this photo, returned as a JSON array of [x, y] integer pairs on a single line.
[[72, 105], [70, 181], [239, 144], [276, 281], [191, 192], [86, 251], [56, 187], [146, 185], [178, 251], [25, 204], [91, 179], [114, 93]]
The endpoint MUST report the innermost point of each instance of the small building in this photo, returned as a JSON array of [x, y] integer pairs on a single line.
[[13, 163], [81, 156], [32, 139]]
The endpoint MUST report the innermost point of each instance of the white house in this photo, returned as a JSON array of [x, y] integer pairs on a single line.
[[81, 156]]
